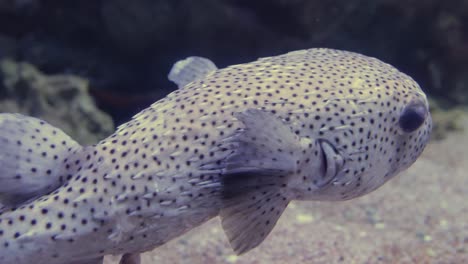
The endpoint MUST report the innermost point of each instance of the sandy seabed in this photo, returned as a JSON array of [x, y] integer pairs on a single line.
[[420, 216]]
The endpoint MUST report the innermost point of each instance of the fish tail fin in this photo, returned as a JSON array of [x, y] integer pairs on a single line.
[[31, 157]]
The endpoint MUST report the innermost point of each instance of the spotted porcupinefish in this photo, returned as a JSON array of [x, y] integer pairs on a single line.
[[239, 142]]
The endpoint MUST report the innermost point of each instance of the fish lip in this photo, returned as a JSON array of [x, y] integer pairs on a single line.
[[332, 162]]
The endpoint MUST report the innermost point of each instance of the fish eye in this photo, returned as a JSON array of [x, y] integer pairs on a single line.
[[412, 117]]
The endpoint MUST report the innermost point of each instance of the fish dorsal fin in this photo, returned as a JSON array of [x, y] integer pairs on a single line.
[[31, 157], [190, 69], [253, 177]]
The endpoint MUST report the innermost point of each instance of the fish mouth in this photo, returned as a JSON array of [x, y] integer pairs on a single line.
[[331, 163]]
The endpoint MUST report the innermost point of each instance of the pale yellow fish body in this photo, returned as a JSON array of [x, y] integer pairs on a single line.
[[239, 142]]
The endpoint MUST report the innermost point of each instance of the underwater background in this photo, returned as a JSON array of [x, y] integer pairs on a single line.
[[87, 66]]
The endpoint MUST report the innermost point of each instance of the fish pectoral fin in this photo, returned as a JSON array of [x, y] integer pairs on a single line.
[[248, 219], [265, 145], [263, 156], [263, 153], [190, 69]]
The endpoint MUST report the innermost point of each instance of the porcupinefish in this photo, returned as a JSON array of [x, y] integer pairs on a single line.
[[239, 142]]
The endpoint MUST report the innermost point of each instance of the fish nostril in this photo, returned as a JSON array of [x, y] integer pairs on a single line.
[[412, 118]]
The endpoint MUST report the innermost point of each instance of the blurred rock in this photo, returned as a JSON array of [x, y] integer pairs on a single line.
[[445, 119], [62, 100]]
